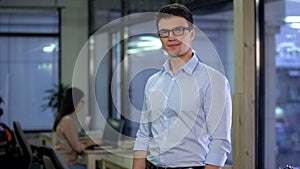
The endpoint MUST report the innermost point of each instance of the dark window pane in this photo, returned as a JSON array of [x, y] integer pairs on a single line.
[[28, 21], [28, 65]]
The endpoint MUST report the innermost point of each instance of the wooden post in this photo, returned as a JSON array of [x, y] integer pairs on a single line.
[[244, 92]]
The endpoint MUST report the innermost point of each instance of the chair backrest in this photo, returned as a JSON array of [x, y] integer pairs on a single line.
[[25, 148], [48, 163], [51, 158], [8, 137], [8, 133]]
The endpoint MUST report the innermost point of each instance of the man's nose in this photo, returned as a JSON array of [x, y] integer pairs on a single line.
[[171, 36]]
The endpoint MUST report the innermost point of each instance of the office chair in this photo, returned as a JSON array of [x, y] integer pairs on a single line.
[[26, 151], [51, 158], [8, 150]]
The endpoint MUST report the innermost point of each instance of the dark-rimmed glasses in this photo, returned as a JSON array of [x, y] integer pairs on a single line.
[[178, 31]]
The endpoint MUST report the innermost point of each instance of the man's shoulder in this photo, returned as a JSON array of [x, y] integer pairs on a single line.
[[210, 71], [155, 75]]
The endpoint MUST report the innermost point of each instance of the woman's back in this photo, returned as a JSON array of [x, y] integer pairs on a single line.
[[67, 141]]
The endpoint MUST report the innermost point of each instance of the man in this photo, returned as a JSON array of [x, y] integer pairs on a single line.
[[186, 117]]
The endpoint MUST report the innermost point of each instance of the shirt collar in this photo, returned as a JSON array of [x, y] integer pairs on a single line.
[[189, 67]]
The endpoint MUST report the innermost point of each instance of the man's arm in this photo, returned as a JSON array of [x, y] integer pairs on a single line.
[[218, 109], [139, 160]]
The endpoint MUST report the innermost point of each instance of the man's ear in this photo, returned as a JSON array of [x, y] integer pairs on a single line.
[[192, 33]]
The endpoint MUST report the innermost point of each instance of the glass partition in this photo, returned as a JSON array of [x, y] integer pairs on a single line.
[[29, 65], [282, 53]]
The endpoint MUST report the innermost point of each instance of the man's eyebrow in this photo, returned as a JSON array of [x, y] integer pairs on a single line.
[[163, 29]]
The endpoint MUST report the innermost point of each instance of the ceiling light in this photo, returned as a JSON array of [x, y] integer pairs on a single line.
[[292, 19], [295, 25], [49, 49]]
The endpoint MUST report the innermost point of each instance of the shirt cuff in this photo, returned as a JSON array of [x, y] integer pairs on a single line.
[[141, 144]]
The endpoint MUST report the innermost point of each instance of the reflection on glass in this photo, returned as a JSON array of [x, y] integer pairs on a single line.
[[28, 64], [283, 25], [25, 73]]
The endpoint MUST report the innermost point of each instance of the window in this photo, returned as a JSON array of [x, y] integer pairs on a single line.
[[282, 53], [29, 57]]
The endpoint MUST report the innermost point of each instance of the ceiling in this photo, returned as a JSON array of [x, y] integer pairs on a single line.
[[134, 6]]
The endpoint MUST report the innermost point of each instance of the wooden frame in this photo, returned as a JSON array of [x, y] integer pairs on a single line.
[[244, 92]]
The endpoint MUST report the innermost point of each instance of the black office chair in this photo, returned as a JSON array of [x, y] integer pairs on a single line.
[[9, 153], [26, 151], [51, 159]]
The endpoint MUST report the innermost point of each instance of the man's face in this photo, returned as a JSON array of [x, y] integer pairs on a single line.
[[176, 45]]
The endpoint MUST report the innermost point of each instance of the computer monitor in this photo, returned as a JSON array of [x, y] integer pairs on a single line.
[[112, 131]]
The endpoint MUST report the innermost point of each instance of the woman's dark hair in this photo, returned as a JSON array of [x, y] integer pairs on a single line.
[[175, 9], [71, 99]]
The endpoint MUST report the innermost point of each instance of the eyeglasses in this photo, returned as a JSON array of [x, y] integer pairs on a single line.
[[178, 31]]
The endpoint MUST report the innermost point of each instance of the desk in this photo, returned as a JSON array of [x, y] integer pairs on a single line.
[[46, 138], [121, 157], [92, 156]]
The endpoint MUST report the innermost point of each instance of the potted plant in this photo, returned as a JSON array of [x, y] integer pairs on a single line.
[[54, 97]]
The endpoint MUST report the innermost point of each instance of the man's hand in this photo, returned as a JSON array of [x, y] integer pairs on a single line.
[[139, 161]]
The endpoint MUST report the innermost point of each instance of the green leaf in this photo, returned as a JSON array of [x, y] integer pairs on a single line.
[[54, 97]]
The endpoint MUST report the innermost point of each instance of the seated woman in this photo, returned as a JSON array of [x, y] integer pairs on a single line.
[[66, 141]]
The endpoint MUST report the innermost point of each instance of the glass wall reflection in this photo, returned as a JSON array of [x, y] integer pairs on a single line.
[[29, 63], [282, 39]]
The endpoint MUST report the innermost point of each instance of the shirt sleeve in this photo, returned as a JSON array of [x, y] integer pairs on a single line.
[[71, 135], [144, 132], [218, 110], [142, 138]]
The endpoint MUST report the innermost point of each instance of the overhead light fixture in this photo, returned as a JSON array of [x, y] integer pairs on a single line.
[[147, 38], [153, 43], [292, 19], [295, 25], [144, 43], [50, 48]]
